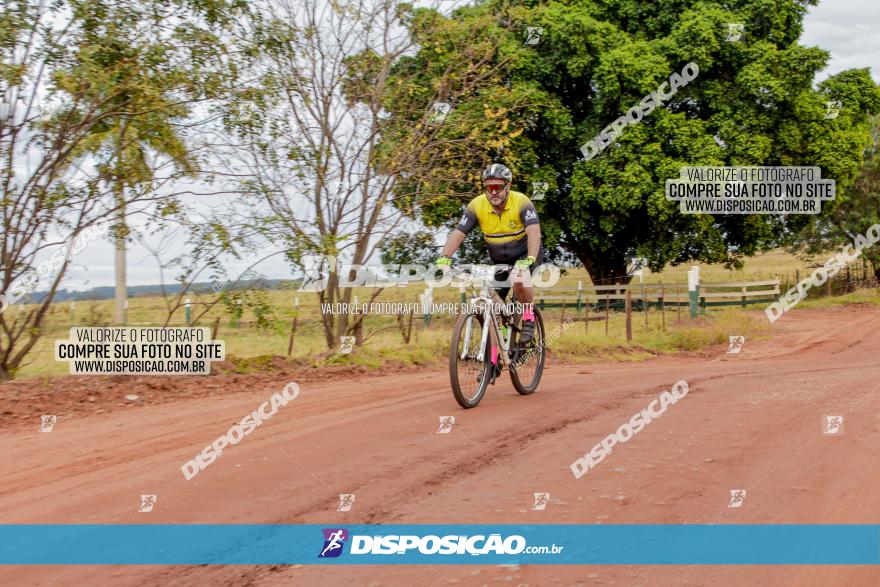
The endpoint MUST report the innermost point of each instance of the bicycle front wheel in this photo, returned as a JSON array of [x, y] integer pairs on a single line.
[[527, 361], [468, 374]]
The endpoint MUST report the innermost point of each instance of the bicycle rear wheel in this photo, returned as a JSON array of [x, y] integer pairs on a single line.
[[468, 375], [527, 361]]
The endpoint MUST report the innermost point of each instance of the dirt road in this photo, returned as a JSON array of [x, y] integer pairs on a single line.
[[751, 421]]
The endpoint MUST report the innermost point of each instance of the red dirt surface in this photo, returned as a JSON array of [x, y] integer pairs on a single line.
[[751, 421]]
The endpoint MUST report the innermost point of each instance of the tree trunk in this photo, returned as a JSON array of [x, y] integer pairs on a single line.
[[328, 319], [606, 270], [121, 295]]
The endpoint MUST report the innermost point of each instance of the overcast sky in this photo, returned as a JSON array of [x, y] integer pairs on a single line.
[[847, 28]]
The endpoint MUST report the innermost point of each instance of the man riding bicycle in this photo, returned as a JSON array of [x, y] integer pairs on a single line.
[[513, 236]]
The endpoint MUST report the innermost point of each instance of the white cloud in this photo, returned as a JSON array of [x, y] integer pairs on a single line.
[[848, 29]]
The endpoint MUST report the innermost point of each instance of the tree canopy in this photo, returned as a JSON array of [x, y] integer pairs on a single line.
[[752, 103]]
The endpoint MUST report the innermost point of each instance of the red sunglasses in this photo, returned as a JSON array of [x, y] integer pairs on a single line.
[[494, 189]]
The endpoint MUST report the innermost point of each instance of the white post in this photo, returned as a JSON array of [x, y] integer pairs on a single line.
[[694, 289], [427, 300]]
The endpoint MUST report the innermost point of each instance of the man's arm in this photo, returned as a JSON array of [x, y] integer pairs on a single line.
[[464, 226], [453, 242], [533, 233], [529, 217]]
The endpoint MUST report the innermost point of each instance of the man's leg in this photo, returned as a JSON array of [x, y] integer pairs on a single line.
[[501, 277], [525, 294]]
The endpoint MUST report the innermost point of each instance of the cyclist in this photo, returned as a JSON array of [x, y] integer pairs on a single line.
[[513, 235]]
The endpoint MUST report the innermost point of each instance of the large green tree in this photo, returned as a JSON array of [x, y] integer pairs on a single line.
[[853, 216], [752, 103]]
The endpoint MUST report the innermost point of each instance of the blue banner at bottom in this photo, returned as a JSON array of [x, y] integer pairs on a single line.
[[257, 544]]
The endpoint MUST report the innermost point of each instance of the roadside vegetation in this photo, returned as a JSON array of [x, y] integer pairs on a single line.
[[257, 343]]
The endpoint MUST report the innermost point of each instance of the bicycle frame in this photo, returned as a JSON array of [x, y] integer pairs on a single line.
[[470, 345], [486, 299]]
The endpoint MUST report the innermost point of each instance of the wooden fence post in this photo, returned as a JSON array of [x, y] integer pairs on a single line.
[[606, 314], [677, 306], [662, 309], [587, 317], [292, 333], [216, 328], [628, 310], [293, 325]]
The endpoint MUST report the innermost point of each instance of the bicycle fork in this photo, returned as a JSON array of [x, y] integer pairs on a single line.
[[468, 333], [499, 346]]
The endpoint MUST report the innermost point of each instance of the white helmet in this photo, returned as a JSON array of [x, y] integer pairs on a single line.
[[497, 171]]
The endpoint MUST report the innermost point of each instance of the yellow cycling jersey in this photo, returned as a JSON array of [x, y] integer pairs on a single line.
[[505, 233]]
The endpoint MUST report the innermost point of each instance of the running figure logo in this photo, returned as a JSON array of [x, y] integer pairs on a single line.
[[334, 540], [147, 503], [636, 266], [539, 189], [735, 31], [833, 425], [438, 112], [345, 344], [47, 423], [736, 344], [316, 274], [832, 109], [446, 423], [541, 501], [737, 497], [534, 34], [346, 500]]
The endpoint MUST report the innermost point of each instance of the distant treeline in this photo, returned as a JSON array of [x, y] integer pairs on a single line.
[[106, 293]]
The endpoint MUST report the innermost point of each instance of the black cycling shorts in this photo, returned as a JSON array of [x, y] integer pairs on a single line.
[[503, 274]]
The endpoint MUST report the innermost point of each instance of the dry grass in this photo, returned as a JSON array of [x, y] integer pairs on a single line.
[[430, 345]]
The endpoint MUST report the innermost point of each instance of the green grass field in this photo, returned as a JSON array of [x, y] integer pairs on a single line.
[[383, 341]]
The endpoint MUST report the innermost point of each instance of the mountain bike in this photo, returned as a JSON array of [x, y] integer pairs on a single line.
[[485, 340]]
